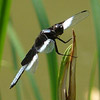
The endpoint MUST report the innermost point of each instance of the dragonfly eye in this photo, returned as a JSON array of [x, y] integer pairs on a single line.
[[57, 26]]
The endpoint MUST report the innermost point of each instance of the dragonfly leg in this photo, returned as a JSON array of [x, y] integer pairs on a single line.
[[56, 48], [63, 40]]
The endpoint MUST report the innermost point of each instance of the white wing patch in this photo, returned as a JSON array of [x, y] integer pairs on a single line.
[[49, 47], [43, 47], [33, 63], [68, 22]]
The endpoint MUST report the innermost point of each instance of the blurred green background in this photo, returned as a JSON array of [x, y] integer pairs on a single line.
[[27, 28]]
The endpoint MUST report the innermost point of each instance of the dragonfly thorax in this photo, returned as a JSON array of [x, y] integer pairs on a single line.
[[53, 31], [45, 31], [44, 44]]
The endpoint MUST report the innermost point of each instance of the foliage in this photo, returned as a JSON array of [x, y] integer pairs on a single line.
[[4, 17]]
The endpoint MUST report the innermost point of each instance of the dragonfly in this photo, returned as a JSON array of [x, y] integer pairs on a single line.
[[46, 42]]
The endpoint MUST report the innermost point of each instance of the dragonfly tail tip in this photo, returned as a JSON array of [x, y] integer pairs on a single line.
[[11, 86]]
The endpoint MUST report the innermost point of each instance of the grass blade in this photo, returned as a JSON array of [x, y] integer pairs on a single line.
[[51, 57], [63, 73], [4, 16], [17, 46], [41, 14], [34, 86], [0, 96], [72, 78], [14, 39], [1, 2], [14, 58], [92, 76], [95, 4], [68, 63]]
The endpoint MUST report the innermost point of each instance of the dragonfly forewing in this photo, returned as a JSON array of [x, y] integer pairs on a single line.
[[34, 63], [75, 19]]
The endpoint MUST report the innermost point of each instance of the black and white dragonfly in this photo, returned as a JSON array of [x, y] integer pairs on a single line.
[[46, 42]]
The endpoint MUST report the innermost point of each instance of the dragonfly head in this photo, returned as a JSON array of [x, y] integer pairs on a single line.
[[58, 28]]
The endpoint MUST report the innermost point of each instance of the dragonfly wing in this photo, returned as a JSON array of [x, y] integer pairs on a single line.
[[30, 59], [49, 46], [33, 64], [23, 68], [75, 19]]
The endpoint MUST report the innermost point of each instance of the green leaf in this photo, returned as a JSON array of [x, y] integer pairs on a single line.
[[15, 41], [63, 74], [51, 57], [34, 86], [4, 16], [92, 76], [0, 96], [95, 4], [72, 76], [1, 2], [68, 63], [14, 58], [64, 64]]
